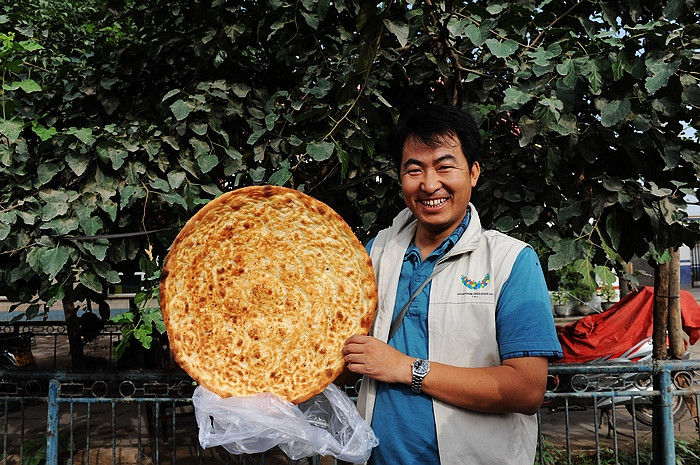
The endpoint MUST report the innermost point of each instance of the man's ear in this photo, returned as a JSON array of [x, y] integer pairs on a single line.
[[474, 172]]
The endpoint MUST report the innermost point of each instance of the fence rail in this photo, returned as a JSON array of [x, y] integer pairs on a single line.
[[116, 415], [146, 417], [629, 385]]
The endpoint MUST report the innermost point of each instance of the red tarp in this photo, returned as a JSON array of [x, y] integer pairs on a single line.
[[622, 326]]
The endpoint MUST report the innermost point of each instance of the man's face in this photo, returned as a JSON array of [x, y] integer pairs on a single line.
[[437, 183]]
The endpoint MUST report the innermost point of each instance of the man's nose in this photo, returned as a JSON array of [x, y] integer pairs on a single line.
[[431, 181]]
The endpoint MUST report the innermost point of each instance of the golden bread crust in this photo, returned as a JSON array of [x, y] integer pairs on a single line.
[[260, 290]]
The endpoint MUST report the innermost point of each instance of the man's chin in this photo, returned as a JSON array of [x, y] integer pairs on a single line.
[[435, 225]]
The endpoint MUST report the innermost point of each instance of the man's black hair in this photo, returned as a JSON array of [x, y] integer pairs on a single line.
[[429, 124]]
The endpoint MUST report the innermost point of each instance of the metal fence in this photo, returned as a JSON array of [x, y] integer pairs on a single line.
[[695, 265], [611, 407], [115, 416]]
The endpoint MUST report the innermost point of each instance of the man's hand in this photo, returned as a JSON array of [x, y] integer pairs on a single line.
[[369, 356]]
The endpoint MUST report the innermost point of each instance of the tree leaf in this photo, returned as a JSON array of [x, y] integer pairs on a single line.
[[280, 177], [531, 214], [98, 248], [11, 129], [83, 134], [502, 49], [130, 193], [29, 86], [311, 19], [4, 231], [569, 69], [614, 112], [253, 138], [400, 31], [181, 109], [585, 268], [30, 45], [592, 71], [207, 162], [566, 251], [514, 98], [176, 178], [241, 90], [475, 35], [173, 198], [91, 225], [44, 133], [143, 334], [673, 9], [53, 209], [77, 163], [62, 226], [618, 69], [5, 155], [117, 157], [46, 171], [612, 183], [54, 259], [320, 151], [506, 223], [659, 72], [91, 281], [110, 207]]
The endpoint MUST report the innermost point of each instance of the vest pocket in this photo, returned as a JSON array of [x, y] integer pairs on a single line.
[[460, 324]]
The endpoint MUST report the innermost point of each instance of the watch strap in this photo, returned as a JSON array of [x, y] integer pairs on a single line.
[[416, 384], [417, 378]]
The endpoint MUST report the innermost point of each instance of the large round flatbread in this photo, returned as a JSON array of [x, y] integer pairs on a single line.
[[260, 290]]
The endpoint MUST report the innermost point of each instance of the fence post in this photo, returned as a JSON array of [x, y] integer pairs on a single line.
[[52, 424], [665, 444]]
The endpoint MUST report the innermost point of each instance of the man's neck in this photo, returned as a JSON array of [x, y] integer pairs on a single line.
[[427, 241]]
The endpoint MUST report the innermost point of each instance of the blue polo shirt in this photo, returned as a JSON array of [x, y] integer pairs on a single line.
[[403, 421]]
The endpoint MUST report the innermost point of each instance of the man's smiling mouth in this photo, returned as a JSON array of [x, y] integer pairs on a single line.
[[433, 202]]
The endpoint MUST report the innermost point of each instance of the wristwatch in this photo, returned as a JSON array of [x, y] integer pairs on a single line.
[[421, 367]]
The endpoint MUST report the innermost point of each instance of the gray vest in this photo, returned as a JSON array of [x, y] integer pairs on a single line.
[[462, 332]]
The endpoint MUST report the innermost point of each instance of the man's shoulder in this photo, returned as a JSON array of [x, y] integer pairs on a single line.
[[503, 239], [401, 230]]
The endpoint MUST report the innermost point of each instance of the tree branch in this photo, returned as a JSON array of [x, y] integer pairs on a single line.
[[550, 25]]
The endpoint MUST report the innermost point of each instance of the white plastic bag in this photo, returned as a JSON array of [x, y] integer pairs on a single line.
[[327, 424]]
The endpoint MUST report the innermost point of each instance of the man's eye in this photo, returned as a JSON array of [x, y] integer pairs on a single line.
[[413, 171], [445, 167]]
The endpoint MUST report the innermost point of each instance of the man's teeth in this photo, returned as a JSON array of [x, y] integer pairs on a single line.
[[434, 202]]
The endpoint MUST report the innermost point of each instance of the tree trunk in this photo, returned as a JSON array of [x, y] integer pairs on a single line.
[[660, 322], [660, 318], [676, 345], [667, 333], [75, 341]]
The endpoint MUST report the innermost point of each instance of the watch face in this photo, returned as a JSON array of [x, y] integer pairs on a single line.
[[421, 367]]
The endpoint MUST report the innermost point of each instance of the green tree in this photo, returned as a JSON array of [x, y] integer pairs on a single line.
[[122, 118]]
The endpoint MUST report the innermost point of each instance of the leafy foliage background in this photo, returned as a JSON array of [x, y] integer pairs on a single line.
[[121, 118]]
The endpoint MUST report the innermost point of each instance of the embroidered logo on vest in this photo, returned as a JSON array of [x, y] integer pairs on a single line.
[[472, 284]]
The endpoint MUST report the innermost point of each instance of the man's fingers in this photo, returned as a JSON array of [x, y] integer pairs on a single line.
[[357, 339], [354, 344]]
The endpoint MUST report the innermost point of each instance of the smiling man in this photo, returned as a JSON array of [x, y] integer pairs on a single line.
[[456, 365]]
